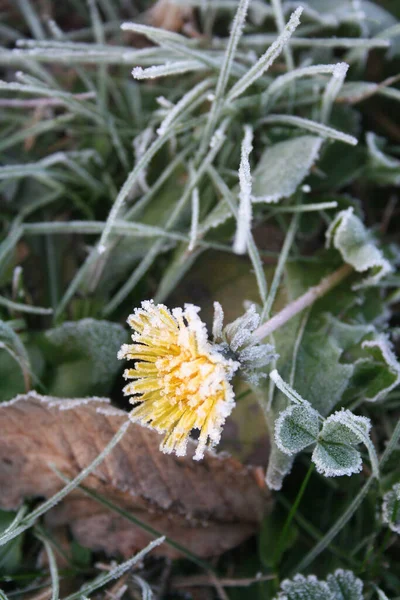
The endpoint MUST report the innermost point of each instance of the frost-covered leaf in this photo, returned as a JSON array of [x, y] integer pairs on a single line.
[[391, 508], [381, 168], [237, 340], [83, 356], [208, 506], [348, 235], [341, 585], [379, 371], [335, 453], [304, 588], [283, 167], [345, 585], [296, 428]]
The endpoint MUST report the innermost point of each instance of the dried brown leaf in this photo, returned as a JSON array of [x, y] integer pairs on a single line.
[[208, 506], [172, 16]]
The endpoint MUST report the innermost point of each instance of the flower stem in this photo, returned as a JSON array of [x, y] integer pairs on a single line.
[[307, 299]]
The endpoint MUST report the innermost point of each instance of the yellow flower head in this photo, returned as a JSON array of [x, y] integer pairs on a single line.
[[181, 382]]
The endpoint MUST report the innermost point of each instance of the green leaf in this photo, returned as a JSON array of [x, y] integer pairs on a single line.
[[334, 454], [296, 428], [381, 168], [391, 508], [348, 235], [82, 356], [378, 371], [283, 167], [305, 588], [345, 585], [341, 585]]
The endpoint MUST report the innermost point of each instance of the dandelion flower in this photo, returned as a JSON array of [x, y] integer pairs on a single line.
[[180, 380]]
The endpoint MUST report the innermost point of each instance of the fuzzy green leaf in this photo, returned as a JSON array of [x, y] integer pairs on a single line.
[[345, 585], [83, 356], [283, 167], [348, 235], [391, 508], [296, 428], [335, 454], [305, 588], [341, 585]]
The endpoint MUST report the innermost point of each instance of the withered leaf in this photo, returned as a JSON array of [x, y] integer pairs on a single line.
[[172, 16], [208, 506]]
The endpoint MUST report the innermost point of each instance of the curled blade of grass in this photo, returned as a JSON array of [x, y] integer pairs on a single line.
[[309, 125], [266, 60]]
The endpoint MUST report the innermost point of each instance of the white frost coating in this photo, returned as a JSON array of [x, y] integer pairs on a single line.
[[286, 389], [217, 138], [186, 100], [382, 159], [332, 90], [283, 167], [309, 588], [218, 321], [60, 403], [384, 345], [140, 144], [283, 80], [340, 585], [348, 235], [164, 103], [296, 428], [195, 219], [345, 585], [335, 454], [266, 60], [310, 125], [245, 210], [391, 508], [171, 68]]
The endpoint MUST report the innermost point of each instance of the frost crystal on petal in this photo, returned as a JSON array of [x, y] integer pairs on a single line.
[[180, 380]]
